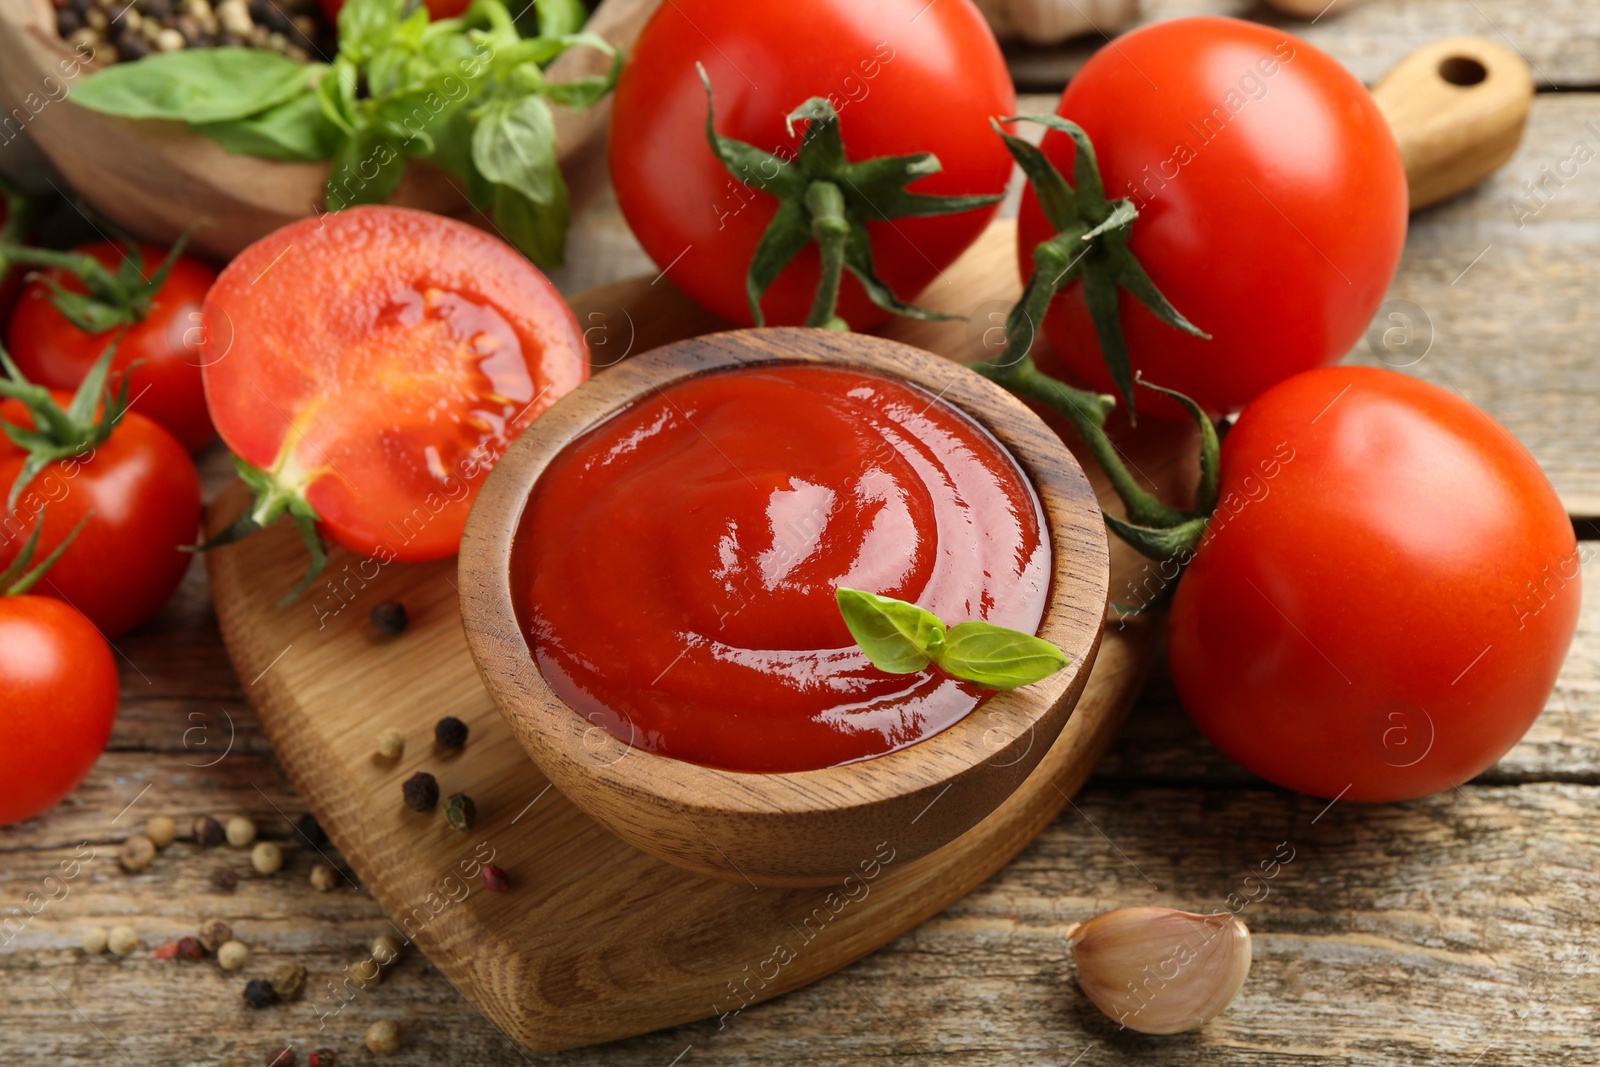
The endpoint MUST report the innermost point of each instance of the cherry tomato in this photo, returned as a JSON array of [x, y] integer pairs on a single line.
[[1384, 596], [144, 496], [418, 347], [1271, 197], [905, 76], [58, 697], [165, 386]]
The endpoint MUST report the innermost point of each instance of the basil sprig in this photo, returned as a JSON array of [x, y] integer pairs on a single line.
[[901, 638], [468, 93]]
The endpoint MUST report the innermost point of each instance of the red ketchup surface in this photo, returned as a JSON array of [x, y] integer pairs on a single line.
[[675, 568]]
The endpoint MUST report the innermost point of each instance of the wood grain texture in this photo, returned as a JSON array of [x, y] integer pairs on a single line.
[[806, 827]]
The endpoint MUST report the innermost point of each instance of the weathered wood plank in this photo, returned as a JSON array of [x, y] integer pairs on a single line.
[[1430, 932], [1558, 38]]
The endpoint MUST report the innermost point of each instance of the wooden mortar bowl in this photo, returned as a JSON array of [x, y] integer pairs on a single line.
[[805, 827], [155, 179]]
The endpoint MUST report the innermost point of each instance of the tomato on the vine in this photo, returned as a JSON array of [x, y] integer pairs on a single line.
[[368, 367], [1271, 200], [126, 480], [58, 692], [903, 76], [1384, 595], [159, 329]]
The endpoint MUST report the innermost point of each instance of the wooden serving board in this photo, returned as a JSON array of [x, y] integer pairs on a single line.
[[596, 940]]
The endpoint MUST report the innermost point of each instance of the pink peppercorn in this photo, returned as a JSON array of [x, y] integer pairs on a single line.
[[494, 879]]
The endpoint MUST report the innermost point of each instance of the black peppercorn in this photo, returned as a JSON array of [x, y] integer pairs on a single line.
[[421, 791], [311, 830], [224, 877], [258, 993], [67, 21], [389, 618], [450, 732], [157, 9], [208, 832]]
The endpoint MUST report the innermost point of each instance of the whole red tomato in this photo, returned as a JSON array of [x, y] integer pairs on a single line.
[[417, 349], [141, 495], [1271, 198], [166, 385], [905, 76], [58, 692], [1384, 595]]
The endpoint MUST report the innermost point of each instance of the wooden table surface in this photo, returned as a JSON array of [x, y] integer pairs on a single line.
[[1457, 930]]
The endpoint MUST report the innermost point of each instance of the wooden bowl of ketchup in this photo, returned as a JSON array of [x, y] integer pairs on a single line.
[[647, 586]]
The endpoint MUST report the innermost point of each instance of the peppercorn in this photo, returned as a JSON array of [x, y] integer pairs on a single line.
[[284, 1057], [391, 744], [450, 733], [241, 831], [161, 830], [323, 1057], [136, 853], [122, 940], [389, 618], [68, 22], [258, 994], [94, 940], [164, 952], [214, 933], [224, 877], [310, 830], [494, 879], [208, 832], [460, 811], [323, 877], [267, 858], [421, 791], [189, 948], [383, 1037], [233, 955], [364, 974], [288, 979], [385, 950]]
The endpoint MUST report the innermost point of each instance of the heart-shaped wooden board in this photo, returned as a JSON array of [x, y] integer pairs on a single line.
[[596, 940]]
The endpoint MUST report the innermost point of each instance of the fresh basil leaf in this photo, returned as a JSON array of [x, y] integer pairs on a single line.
[[538, 230], [997, 658], [197, 85], [514, 144], [365, 169], [558, 18], [583, 92], [367, 26], [897, 637], [294, 130], [336, 94]]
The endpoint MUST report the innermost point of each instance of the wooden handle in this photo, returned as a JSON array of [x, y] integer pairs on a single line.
[[580, 133], [1457, 108]]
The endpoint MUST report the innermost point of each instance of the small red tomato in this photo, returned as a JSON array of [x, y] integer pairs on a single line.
[[1384, 595], [1271, 198], [58, 697], [166, 385], [141, 494]]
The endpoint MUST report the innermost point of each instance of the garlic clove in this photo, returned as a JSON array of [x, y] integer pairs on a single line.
[[1160, 971]]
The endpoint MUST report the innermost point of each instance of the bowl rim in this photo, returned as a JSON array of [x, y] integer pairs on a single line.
[[1000, 732]]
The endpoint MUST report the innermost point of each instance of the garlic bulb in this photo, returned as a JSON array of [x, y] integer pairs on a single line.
[[1160, 971]]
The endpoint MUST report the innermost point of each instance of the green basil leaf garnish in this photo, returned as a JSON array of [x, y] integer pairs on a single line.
[[296, 130], [897, 637], [901, 638], [197, 85], [514, 143]]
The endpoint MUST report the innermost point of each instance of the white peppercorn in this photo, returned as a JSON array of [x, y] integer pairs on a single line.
[[391, 744], [95, 939], [232, 955], [136, 853], [323, 877], [385, 950], [214, 933], [267, 858], [122, 940], [161, 830], [241, 831], [383, 1037]]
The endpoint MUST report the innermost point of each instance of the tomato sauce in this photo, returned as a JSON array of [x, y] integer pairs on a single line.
[[675, 568]]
